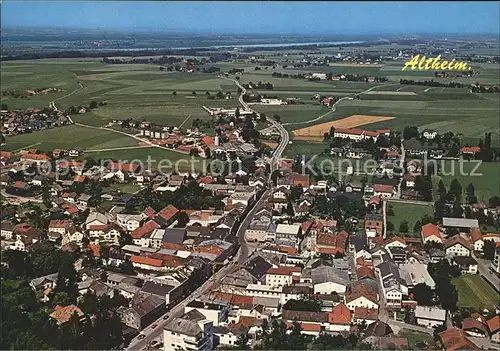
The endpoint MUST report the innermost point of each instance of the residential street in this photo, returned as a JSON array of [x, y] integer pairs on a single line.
[[484, 269]]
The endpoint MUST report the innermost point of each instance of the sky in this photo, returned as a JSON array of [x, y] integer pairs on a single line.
[[270, 17]]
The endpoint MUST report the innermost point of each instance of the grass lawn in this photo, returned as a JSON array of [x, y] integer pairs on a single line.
[[484, 179], [159, 158], [124, 188], [415, 339], [475, 292], [308, 148], [408, 212]]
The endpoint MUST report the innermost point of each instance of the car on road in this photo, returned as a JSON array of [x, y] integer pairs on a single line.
[[141, 336], [165, 317], [154, 325]]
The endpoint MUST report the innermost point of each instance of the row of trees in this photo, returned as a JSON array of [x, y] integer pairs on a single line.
[[430, 83]]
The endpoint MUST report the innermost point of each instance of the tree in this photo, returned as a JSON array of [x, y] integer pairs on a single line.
[[182, 220], [417, 227], [471, 194], [220, 95], [162, 68], [61, 299], [441, 188], [207, 93], [390, 226], [489, 250], [289, 209], [494, 201], [456, 189], [403, 227], [277, 118], [93, 104], [193, 93], [390, 211], [4, 106], [174, 93], [423, 294]]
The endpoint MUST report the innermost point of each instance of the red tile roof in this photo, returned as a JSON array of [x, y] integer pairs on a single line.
[[431, 229], [208, 140], [60, 223], [365, 271], [283, 270], [365, 313], [149, 212], [122, 166], [35, 157], [340, 315], [457, 239], [455, 339], [494, 324], [307, 327], [6, 154], [241, 300], [79, 178], [383, 188], [168, 212], [475, 234], [471, 324], [96, 249], [287, 249], [145, 229], [470, 149], [146, 261]]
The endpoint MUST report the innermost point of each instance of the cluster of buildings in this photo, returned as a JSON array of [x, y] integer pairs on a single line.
[[29, 120]]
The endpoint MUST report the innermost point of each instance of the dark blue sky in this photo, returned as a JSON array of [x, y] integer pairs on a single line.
[[353, 17]]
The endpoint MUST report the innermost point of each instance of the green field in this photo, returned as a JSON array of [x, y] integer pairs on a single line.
[[142, 91], [474, 292], [410, 213], [159, 158], [484, 179], [71, 136], [416, 339]]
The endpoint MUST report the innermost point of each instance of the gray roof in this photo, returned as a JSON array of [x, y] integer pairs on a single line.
[[52, 277], [144, 304], [157, 289], [428, 312], [186, 324], [460, 222], [325, 274], [174, 235]]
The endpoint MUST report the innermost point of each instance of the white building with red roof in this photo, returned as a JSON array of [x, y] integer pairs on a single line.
[[431, 232]]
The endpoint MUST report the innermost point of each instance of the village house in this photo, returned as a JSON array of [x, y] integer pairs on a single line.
[[431, 232]]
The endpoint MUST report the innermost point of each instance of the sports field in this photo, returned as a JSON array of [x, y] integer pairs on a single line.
[[474, 292]]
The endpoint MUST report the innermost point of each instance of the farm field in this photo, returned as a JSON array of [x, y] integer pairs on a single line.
[[474, 292], [316, 132], [67, 137], [410, 213], [486, 185]]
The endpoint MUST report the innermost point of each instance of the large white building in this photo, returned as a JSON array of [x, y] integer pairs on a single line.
[[192, 331], [428, 316]]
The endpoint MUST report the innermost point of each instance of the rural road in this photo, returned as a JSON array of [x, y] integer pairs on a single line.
[[334, 106], [52, 104]]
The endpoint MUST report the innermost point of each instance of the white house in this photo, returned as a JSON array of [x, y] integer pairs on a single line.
[[282, 276], [457, 246], [192, 331], [129, 222], [429, 316]]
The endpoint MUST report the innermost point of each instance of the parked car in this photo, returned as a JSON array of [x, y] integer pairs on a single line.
[[141, 336]]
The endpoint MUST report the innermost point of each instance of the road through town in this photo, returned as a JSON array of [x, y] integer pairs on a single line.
[[241, 256]]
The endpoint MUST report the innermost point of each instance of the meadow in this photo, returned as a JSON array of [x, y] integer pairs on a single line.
[[411, 213], [475, 292]]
